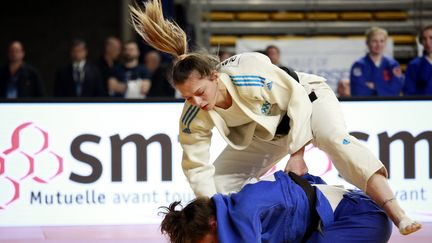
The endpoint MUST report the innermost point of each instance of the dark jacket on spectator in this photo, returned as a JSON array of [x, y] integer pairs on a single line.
[[65, 85], [161, 86], [106, 72], [29, 83]]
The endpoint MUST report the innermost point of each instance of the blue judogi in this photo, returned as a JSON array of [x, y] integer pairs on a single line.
[[418, 77], [387, 77], [278, 211]]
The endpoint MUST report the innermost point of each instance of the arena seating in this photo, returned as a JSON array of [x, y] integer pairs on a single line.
[[223, 22]]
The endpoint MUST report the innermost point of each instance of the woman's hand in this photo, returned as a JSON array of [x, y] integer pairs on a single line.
[[296, 163]]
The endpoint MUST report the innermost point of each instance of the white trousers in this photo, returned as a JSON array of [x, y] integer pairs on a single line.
[[354, 161]]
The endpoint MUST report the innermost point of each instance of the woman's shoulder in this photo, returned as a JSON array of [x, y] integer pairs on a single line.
[[390, 61], [246, 58], [192, 118]]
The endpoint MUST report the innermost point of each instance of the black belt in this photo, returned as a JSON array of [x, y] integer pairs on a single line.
[[311, 195], [293, 74], [283, 127], [312, 96]]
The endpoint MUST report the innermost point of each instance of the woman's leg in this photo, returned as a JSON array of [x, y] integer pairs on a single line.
[[356, 219], [354, 161], [379, 189]]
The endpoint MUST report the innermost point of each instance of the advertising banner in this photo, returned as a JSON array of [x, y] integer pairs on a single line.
[[117, 163]]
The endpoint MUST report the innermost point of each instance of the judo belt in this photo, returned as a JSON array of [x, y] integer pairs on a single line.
[[283, 127], [311, 195], [290, 71]]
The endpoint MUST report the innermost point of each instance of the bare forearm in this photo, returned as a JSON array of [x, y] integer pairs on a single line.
[[299, 153]]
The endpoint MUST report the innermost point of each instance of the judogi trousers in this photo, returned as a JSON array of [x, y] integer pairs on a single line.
[[356, 219], [354, 161]]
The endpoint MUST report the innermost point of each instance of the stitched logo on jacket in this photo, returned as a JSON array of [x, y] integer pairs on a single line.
[[265, 108], [269, 85], [187, 118]]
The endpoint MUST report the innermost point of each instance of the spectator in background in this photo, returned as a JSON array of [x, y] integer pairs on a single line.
[[376, 74], [343, 88], [79, 78], [273, 53], [160, 84], [109, 59], [152, 61], [130, 79], [223, 55], [17, 78], [418, 77]]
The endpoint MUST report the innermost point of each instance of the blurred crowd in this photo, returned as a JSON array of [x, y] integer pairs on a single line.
[[119, 72]]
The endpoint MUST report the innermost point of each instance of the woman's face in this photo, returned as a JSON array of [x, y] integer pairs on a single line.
[[200, 91], [427, 40], [377, 43], [209, 238]]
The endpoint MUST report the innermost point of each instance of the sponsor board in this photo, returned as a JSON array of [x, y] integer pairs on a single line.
[[117, 163]]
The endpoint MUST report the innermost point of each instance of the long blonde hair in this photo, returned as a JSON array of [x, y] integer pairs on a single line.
[[167, 36], [163, 35]]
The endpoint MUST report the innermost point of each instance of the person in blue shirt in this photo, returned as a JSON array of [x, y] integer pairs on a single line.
[[129, 79], [376, 74], [418, 77], [278, 210]]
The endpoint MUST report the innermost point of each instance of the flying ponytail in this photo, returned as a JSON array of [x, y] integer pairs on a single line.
[[161, 34], [167, 36]]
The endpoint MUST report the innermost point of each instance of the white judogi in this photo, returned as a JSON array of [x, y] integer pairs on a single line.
[[263, 93]]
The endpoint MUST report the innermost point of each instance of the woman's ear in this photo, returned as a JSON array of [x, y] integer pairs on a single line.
[[213, 223], [214, 75]]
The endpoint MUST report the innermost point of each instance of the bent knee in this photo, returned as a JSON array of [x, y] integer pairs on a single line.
[[331, 139]]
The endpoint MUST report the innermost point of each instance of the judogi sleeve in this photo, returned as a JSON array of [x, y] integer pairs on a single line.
[[195, 137], [358, 80], [410, 87], [397, 78]]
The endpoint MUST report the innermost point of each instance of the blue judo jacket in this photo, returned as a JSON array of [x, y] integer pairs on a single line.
[[387, 77], [268, 211], [418, 77]]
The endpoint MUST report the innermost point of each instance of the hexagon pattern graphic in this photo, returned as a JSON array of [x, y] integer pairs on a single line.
[[28, 158]]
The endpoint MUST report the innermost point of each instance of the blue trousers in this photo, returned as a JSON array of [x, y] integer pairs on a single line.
[[356, 219]]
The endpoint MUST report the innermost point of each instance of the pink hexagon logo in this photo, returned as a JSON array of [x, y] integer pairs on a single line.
[[28, 157]]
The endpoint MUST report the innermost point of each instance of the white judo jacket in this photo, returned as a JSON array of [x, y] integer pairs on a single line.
[[265, 93]]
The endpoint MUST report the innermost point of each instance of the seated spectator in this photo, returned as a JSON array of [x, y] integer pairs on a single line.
[[79, 78], [224, 54], [376, 74], [152, 61], [160, 84], [418, 77], [109, 59], [273, 53], [343, 88], [17, 78], [130, 79]]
